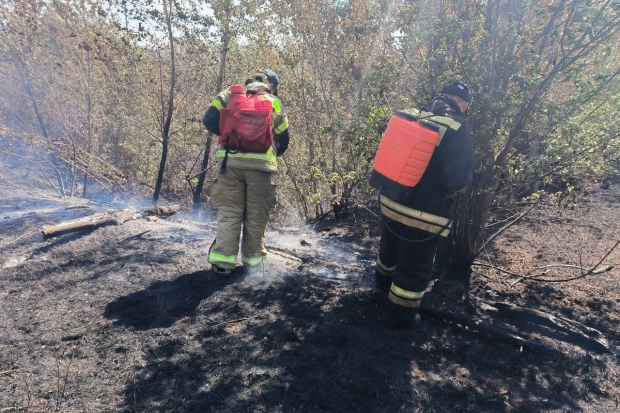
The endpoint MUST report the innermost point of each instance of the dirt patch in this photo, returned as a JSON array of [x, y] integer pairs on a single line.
[[127, 319]]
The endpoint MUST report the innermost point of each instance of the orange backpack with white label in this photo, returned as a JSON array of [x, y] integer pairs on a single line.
[[403, 154]]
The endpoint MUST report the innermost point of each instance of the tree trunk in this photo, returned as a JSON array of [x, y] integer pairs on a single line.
[[168, 111], [470, 217], [25, 74], [202, 176], [220, 81], [88, 117]]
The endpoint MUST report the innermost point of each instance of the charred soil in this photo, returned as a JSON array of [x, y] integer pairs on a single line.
[[127, 318]]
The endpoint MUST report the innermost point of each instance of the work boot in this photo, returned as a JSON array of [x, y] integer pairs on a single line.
[[383, 282], [221, 272], [400, 317]]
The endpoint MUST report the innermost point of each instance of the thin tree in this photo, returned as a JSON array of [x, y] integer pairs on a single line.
[[167, 109], [226, 37]]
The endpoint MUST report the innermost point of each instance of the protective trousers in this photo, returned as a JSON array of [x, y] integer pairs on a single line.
[[408, 265], [243, 197]]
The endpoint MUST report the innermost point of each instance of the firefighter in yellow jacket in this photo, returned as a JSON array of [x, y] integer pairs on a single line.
[[244, 191]]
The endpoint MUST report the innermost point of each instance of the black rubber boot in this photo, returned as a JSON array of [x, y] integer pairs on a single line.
[[400, 317]]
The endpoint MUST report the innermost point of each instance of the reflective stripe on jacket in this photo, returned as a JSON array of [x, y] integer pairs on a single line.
[[444, 122], [414, 218]]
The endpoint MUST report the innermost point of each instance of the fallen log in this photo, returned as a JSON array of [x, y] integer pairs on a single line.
[[109, 218], [486, 329], [205, 225], [163, 212], [95, 221], [569, 331]]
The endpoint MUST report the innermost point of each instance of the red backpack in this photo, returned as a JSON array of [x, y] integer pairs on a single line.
[[245, 122]]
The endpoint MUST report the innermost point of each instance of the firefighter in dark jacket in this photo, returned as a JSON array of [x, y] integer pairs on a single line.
[[404, 267], [245, 191]]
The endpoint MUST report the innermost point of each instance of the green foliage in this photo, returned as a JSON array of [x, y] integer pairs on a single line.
[[544, 79]]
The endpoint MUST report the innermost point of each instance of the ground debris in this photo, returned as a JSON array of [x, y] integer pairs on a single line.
[[130, 319]]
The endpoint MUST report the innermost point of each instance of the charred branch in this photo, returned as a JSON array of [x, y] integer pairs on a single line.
[[95, 221], [109, 218]]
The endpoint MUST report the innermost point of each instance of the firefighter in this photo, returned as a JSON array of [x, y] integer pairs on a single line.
[[245, 190], [414, 223]]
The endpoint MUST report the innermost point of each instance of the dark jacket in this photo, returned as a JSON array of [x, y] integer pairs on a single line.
[[452, 164]]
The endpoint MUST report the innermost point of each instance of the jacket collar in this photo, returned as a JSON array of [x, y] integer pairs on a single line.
[[446, 104], [257, 87]]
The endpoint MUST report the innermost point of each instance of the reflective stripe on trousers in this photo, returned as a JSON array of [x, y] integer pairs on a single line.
[[244, 198], [405, 298], [413, 262]]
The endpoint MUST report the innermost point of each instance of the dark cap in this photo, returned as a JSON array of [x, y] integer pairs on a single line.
[[273, 78], [459, 89]]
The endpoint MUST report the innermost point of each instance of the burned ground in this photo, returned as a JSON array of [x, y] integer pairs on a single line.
[[127, 319]]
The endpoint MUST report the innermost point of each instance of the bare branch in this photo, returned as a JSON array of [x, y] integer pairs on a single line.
[[517, 219]]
